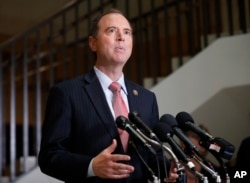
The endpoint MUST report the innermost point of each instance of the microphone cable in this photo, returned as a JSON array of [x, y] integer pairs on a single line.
[[155, 179]]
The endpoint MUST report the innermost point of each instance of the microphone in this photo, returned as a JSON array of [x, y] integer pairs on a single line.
[[123, 123], [186, 123], [135, 118], [216, 144], [190, 147], [165, 134]]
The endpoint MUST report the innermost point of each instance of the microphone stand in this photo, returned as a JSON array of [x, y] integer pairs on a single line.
[[153, 142], [214, 174], [201, 176], [222, 164], [155, 178], [180, 168]]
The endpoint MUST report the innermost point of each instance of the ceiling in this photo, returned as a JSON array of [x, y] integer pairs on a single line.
[[17, 16]]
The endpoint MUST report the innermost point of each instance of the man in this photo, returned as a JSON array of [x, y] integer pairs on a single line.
[[80, 140]]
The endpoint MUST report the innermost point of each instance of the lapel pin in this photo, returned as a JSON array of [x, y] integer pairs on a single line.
[[135, 92]]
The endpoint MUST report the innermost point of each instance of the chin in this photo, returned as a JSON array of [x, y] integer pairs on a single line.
[[121, 60]]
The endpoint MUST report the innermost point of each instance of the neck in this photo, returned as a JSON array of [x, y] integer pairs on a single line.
[[114, 73]]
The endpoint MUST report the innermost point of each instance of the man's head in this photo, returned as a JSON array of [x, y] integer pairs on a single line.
[[111, 38], [95, 27]]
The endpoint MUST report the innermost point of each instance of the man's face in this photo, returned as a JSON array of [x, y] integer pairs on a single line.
[[113, 43]]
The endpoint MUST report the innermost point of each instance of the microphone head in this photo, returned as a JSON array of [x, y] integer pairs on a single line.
[[162, 130], [121, 122], [169, 120], [182, 118], [134, 116], [223, 147]]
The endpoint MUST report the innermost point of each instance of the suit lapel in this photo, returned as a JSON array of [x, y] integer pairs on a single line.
[[97, 97]]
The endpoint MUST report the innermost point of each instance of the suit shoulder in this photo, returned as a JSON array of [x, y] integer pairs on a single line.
[[70, 85], [138, 87], [70, 82]]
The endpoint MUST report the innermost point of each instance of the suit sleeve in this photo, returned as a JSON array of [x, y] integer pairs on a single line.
[[55, 157]]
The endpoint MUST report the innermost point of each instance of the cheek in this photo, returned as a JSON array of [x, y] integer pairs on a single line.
[[130, 45], [101, 46], [105, 44]]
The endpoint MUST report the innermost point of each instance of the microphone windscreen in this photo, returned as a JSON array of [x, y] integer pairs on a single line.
[[133, 115], [169, 119], [182, 118], [224, 148], [162, 129], [121, 122]]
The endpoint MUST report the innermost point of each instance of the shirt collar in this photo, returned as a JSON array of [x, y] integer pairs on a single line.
[[106, 81]]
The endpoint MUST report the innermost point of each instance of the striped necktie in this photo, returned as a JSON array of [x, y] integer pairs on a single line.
[[119, 108]]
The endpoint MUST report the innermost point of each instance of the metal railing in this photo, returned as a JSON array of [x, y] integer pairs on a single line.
[[57, 49]]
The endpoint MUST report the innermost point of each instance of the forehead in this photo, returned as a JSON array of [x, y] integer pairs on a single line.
[[114, 19]]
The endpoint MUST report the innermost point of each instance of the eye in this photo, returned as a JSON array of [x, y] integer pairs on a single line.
[[111, 30], [128, 32]]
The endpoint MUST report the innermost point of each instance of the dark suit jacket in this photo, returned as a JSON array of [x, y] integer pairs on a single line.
[[78, 125]]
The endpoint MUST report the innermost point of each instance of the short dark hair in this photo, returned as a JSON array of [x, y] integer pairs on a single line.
[[95, 27]]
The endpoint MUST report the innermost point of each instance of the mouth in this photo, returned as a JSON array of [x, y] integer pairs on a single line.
[[119, 48]]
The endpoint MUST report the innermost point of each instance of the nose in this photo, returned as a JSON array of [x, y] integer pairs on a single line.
[[120, 36]]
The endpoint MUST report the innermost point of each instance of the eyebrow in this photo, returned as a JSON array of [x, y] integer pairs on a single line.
[[127, 29]]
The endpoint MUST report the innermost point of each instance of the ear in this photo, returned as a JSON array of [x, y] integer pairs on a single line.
[[92, 43]]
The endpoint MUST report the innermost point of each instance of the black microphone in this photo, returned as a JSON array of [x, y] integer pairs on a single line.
[[165, 133], [134, 117], [186, 123], [217, 144], [123, 123], [190, 147]]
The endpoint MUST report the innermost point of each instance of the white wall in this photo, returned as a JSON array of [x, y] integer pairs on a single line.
[[214, 87], [36, 176]]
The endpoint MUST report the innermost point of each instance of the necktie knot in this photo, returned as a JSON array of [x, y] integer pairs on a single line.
[[115, 87]]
